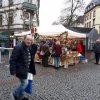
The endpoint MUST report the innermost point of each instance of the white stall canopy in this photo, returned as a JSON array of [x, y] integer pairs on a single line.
[[54, 30], [23, 33], [57, 30]]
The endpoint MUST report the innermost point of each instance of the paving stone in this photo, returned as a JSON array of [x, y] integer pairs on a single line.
[[81, 82]]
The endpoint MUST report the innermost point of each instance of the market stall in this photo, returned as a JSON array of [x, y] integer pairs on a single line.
[[62, 34], [22, 34]]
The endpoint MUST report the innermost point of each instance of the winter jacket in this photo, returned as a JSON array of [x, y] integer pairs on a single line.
[[96, 47], [45, 50], [57, 49], [19, 61], [79, 48]]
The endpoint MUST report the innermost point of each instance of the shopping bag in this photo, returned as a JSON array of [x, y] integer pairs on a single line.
[[29, 86]]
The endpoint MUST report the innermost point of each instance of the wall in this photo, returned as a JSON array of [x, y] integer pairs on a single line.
[[97, 18], [17, 15], [17, 18]]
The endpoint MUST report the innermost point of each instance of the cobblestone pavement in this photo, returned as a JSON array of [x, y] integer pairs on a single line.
[[80, 82]]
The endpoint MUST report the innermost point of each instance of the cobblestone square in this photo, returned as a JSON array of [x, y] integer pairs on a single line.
[[80, 82]]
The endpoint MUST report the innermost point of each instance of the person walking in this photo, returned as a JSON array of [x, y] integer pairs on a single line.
[[22, 63], [96, 48]]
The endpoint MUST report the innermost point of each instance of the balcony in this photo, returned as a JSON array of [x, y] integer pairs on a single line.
[[29, 6]]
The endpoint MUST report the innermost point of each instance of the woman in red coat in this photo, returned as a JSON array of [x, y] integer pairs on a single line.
[[79, 47]]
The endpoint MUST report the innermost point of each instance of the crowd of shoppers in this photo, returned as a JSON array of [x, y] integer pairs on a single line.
[[22, 59], [55, 51]]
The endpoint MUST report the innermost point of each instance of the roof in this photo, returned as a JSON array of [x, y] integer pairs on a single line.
[[81, 29], [92, 5], [93, 34], [57, 30], [95, 2], [80, 19]]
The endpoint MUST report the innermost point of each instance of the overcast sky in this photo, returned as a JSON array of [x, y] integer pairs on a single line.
[[50, 10]]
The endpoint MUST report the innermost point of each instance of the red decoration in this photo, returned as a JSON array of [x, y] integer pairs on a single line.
[[33, 30]]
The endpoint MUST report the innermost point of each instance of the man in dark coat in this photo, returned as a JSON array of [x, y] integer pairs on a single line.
[[97, 51], [22, 63], [46, 54]]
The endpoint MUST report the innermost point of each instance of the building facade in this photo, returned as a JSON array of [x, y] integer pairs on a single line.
[[92, 15], [18, 15]]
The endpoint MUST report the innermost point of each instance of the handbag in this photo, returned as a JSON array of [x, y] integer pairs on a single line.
[[29, 86]]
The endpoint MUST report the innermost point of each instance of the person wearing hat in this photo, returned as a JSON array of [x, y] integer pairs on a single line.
[[97, 51]]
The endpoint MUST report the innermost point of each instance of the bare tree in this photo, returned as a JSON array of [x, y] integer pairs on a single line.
[[71, 11], [55, 23]]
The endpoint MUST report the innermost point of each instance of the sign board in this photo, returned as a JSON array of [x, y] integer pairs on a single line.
[[16, 32], [33, 30]]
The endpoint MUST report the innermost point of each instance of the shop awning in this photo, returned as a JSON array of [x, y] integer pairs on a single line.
[[23, 33], [3, 37]]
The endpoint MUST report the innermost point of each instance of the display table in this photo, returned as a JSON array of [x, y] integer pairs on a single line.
[[71, 58]]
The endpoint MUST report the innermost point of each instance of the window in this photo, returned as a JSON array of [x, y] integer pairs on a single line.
[[85, 25], [90, 24], [85, 18], [0, 3], [90, 15], [11, 19], [10, 2], [93, 22], [94, 13], [29, 1], [0, 20]]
